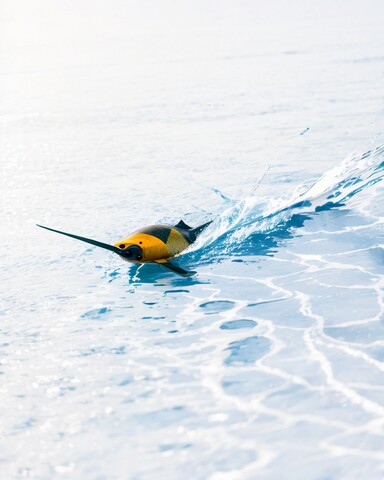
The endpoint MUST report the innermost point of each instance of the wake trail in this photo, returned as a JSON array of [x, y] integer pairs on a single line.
[[251, 221]]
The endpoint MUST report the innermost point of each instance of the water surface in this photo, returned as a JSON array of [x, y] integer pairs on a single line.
[[267, 118]]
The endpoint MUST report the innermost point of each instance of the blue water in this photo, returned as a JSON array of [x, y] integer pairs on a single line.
[[268, 120]]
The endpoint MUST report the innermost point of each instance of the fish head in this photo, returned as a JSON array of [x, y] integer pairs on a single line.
[[130, 251]]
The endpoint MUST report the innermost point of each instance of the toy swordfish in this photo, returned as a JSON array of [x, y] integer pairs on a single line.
[[153, 244]]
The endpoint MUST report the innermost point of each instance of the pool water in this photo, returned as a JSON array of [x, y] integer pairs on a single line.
[[268, 120]]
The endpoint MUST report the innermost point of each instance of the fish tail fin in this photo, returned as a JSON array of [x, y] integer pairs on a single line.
[[195, 232]]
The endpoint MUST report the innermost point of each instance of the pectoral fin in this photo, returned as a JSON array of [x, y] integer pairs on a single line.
[[175, 268]]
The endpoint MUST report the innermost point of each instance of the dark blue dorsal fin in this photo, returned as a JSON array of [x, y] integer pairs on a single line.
[[182, 224]]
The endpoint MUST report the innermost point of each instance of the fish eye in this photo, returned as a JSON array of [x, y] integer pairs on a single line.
[[122, 245], [141, 243]]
